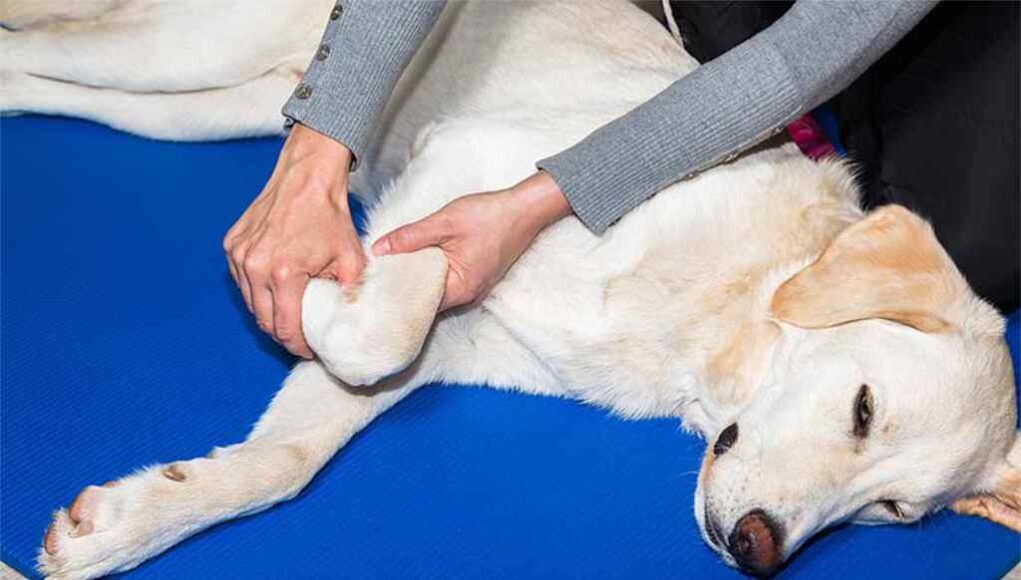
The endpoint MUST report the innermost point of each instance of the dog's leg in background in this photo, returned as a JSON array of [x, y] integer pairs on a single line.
[[249, 109], [169, 46], [117, 526], [21, 14]]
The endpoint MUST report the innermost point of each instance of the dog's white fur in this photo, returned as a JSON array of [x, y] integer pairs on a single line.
[[756, 292]]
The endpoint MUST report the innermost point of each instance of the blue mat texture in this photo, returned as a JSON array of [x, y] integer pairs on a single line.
[[124, 344]]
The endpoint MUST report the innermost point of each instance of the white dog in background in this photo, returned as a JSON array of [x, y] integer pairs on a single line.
[[839, 362]]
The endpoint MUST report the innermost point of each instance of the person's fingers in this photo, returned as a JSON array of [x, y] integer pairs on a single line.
[[246, 293], [257, 286], [229, 243], [346, 268], [262, 307], [241, 282], [348, 261], [233, 271], [237, 261], [288, 289], [349, 267], [412, 237]]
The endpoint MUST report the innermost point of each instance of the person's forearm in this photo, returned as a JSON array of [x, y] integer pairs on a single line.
[[539, 201], [365, 48], [728, 105]]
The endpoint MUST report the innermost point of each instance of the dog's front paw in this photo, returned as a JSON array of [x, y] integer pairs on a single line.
[[116, 526]]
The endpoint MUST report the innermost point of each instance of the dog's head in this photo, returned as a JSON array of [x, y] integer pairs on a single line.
[[889, 394]]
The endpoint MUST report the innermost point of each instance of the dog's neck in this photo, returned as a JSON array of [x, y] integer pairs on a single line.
[[736, 368]]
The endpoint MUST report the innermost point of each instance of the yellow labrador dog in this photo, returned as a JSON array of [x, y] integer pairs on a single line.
[[837, 362]]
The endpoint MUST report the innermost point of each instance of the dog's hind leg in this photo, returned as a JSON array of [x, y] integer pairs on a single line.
[[378, 329], [250, 109], [21, 14], [117, 526], [168, 46]]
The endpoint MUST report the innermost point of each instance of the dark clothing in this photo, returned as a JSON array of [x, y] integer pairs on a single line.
[[933, 125]]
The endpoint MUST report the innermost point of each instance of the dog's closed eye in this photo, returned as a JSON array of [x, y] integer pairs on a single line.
[[893, 507], [863, 412], [885, 511]]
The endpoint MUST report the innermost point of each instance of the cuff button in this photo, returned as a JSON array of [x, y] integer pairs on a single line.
[[303, 91], [336, 12], [323, 52]]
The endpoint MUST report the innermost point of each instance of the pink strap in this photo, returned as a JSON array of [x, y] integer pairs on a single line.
[[808, 134]]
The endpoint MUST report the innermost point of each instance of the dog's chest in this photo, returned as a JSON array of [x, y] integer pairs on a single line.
[[630, 342]]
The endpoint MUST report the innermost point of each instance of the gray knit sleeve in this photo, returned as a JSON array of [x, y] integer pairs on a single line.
[[365, 48], [729, 104]]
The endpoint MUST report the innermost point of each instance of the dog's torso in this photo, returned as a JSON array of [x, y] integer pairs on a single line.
[[661, 315]]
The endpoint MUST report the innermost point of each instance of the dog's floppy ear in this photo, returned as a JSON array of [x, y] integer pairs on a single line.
[[888, 265], [1002, 502]]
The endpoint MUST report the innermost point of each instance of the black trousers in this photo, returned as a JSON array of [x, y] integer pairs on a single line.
[[933, 125]]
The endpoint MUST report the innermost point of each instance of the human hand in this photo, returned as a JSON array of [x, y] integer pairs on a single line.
[[298, 227], [481, 234]]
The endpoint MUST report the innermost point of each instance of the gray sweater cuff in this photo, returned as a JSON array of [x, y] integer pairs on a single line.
[[365, 48]]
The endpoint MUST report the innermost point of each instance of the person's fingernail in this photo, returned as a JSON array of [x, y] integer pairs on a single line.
[[382, 247]]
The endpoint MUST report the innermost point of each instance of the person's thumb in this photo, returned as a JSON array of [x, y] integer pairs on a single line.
[[409, 238]]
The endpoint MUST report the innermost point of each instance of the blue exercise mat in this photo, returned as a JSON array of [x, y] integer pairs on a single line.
[[124, 344]]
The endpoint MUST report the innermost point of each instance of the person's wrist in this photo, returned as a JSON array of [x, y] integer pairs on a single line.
[[304, 140], [326, 163], [540, 201]]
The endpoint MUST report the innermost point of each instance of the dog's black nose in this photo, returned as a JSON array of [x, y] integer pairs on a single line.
[[757, 543], [726, 440]]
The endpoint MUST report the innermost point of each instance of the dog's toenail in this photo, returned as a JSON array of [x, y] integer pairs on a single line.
[[85, 528], [174, 472], [110, 484]]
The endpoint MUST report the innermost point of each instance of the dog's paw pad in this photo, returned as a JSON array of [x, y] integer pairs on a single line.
[[84, 528], [50, 544], [76, 522], [84, 505], [69, 546], [174, 472], [64, 529]]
